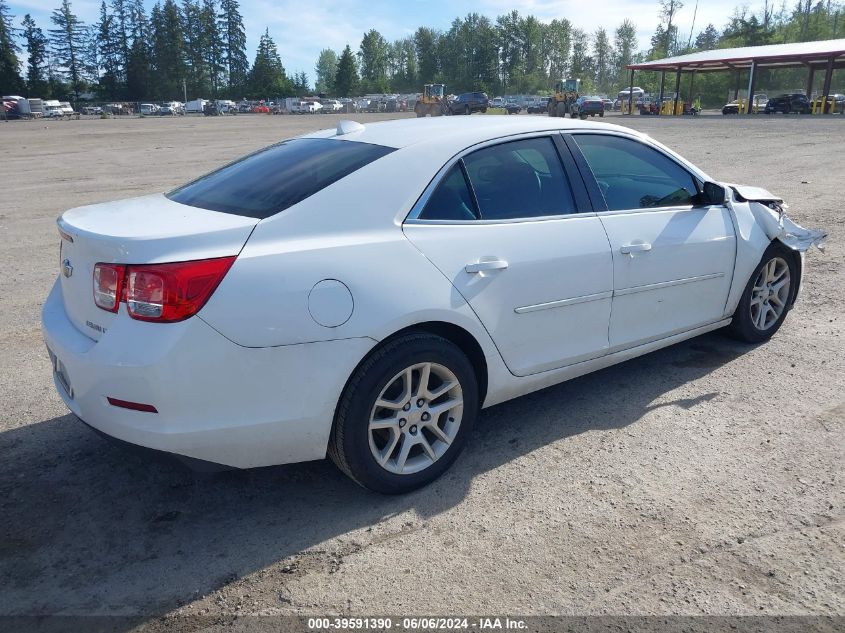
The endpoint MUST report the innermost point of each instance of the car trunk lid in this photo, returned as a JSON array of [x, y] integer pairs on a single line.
[[146, 230]]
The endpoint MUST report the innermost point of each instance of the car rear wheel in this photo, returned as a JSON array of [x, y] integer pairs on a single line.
[[767, 297], [405, 414]]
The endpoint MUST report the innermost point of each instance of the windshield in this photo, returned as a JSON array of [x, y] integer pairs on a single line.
[[277, 177]]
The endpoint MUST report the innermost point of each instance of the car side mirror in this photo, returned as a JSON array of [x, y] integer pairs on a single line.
[[712, 194]]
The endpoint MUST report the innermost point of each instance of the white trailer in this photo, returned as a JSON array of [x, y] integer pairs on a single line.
[[196, 105]]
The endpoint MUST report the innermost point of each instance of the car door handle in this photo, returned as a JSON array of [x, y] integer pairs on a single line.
[[487, 264], [635, 247]]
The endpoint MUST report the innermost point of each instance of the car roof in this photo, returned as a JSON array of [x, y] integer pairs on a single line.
[[452, 134]]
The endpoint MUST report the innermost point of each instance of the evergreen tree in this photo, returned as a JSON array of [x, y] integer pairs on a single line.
[[211, 47], [267, 77], [36, 64], [346, 79], [139, 71], [300, 83], [708, 39], [167, 50], [69, 40], [233, 38], [325, 71], [120, 30], [10, 77], [110, 56], [198, 80]]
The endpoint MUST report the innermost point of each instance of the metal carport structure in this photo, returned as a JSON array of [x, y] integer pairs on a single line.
[[825, 54]]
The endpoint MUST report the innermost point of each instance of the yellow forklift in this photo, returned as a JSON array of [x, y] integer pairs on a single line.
[[432, 102], [566, 93]]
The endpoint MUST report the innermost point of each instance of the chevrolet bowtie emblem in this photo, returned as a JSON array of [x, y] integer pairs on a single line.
[[67, 269]]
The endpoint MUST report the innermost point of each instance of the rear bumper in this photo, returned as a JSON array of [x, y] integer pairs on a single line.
[[217, 401]]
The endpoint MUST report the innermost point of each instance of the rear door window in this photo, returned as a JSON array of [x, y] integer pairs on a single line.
[[519, 179], [277, 177]]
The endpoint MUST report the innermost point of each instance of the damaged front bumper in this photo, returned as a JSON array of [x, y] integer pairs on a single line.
[[769, 212]]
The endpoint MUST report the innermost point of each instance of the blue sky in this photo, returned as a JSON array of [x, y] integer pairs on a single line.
[[301, 28]]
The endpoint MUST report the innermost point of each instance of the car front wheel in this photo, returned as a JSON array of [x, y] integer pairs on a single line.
[[767, 297], [405, 414]]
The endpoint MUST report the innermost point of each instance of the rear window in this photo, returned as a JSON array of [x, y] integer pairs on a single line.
[[277, 177]]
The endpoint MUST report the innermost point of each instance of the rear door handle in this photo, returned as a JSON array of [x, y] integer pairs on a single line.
[[635, 247], [487, 264]]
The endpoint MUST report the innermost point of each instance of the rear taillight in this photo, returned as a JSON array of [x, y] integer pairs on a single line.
[[108, 286], [167, 292]]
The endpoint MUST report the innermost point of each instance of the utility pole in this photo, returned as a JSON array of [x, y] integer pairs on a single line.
[[184, 91]]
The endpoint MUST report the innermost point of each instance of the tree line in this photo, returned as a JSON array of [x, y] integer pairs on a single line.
[[198, 47]]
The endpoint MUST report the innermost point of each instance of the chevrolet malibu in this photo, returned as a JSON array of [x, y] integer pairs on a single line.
[[363, 292]]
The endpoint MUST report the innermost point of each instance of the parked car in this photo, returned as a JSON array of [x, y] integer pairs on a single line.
[[839, 103], [538, 106], [608, 103], [788, 103], [513, 107], [170, 326], [92, 110], [498, 102], [760, 101], [469, 102], [148, 108], [261, 109], [587, 106], [331, 106]]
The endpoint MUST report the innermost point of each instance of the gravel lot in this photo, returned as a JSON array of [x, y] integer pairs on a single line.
[[706, 478]]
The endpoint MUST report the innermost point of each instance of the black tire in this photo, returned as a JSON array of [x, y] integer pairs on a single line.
[[561, 109], [742, 327], [349, 446]]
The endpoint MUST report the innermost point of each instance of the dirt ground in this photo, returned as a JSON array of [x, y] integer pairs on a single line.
[[706, 478]]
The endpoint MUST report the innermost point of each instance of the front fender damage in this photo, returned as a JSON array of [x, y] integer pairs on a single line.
[[768, 212]]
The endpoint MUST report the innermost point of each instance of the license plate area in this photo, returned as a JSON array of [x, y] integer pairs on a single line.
[[61, 374]]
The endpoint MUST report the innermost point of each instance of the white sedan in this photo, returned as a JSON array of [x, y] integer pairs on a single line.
[[364, 291]]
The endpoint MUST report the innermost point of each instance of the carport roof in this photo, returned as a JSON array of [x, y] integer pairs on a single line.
[[816, 54]]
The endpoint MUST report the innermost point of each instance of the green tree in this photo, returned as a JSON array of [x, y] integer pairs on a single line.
[[139, 67], [10, 77], [210, 45], [603, 61], [267, 77], [199, 84], [69, 41], [373, 56], [558, 40], [121, 26], [36, 64], [233, 38], [325, 71], [425, 46], [582, 64], [109, 56], [625, 47], [301, 85], [708, 39], [346, 79], [168, 55]]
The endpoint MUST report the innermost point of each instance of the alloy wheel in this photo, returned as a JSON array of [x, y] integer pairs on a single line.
[[416, 418], [770, 293]]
